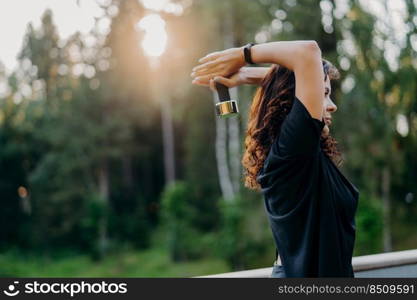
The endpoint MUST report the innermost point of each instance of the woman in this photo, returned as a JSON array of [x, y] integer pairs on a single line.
[[290, 156]]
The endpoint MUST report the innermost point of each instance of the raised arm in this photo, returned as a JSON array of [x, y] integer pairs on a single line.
[[302, 57]]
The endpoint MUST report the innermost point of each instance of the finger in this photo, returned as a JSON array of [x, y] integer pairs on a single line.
[[223, 80], [207, 77], [200, 83], [212, 85], [215, 70], [207, 65], [209, 57], [205, 81]]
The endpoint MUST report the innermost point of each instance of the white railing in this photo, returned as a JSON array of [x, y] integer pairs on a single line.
[[389, 264]]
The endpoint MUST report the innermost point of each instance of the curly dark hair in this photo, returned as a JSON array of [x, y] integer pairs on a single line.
[[271, 104]]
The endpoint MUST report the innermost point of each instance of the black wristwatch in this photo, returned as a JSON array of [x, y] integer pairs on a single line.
[[247, 53]]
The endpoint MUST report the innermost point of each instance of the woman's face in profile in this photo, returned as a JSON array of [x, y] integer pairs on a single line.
[[328, 106]]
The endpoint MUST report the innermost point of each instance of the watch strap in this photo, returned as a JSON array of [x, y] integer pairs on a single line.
[[247, 53]]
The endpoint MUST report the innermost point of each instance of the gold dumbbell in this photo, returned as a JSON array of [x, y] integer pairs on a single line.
[[225, 107]]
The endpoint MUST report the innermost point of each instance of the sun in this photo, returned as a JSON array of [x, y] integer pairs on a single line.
[[155, 40]]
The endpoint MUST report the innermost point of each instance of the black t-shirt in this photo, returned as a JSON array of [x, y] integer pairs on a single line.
[[310, 204]]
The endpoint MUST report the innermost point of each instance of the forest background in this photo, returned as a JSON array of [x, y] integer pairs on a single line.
[[113, 164]]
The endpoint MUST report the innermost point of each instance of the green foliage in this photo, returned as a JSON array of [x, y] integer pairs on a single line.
[[243, 236], [177, 212], [65, 144], [200, 160], [152, 262], [369, 225], [131, 224], [95, 210], [231, 243]]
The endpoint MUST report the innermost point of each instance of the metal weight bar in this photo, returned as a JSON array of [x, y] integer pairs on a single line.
[[225, 107]]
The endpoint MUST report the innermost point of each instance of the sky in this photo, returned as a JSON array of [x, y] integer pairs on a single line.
[[16, 14]]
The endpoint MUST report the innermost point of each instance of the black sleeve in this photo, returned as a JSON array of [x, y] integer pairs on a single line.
[[300, 133]]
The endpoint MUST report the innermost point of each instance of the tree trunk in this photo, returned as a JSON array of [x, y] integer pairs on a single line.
[[159, 91], [127, 171], [386, 189], [222, 167], [104, 191], [168, 138], [234, 146]]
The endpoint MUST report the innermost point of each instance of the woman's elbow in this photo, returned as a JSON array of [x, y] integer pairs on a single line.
[[310, 50]]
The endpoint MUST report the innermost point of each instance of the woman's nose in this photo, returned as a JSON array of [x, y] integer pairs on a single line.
[[331, 106]]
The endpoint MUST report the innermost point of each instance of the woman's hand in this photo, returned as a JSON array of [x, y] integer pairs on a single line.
[[245, 75], [236, 79], [220, 63]]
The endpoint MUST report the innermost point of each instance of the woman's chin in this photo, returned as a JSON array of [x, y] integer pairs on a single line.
[[326, 130]]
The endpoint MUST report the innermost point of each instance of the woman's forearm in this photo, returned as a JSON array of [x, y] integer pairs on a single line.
[[286, 53], [254, 75], [294, 55]]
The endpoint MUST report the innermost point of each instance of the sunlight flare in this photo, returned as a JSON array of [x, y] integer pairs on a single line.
[[155, 40]]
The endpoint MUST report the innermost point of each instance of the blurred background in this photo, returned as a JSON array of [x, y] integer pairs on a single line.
[[113, 164]]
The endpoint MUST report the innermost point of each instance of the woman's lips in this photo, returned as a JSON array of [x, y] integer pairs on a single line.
[[328, 121]]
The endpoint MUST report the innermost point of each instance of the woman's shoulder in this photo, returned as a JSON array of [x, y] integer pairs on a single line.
[[299, 134]]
